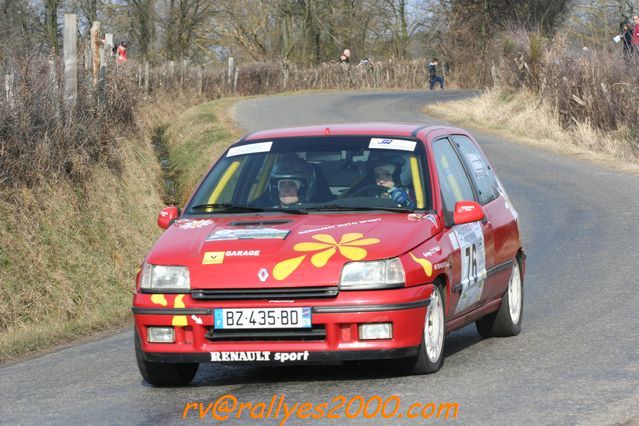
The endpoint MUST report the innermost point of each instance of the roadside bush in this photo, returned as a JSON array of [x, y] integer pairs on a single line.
[[582, 86], [43, 139]]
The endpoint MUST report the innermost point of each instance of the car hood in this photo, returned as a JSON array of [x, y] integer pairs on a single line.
[[287, 250]]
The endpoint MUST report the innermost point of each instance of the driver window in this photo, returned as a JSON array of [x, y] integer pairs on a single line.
[[453, 181]]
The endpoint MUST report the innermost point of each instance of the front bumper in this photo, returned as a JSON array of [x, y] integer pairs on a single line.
[[338, 318]]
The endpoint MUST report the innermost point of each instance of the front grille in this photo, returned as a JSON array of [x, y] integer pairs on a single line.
[[318, 332], [266, 293]]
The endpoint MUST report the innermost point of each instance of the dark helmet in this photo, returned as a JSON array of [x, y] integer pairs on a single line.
[[290, 166]]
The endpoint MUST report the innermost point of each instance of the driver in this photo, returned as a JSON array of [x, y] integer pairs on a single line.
[[291, 181], [288, 191], [385, 173]]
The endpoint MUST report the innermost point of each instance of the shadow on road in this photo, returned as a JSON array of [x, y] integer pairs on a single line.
[[227, 375]]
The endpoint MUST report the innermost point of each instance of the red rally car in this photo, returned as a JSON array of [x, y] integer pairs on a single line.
[[330, 244]]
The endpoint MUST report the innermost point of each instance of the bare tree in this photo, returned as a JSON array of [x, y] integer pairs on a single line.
[[51, 22], [143, 18], [182, 24]]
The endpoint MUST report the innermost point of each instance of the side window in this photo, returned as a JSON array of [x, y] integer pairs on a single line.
[[480, 170], [453, 181]]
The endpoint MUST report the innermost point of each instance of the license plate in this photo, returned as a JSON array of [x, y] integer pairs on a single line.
[[262, 318]]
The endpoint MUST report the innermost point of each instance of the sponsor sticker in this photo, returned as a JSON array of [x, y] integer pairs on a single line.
[[242, 253], [398, 144], [250, 149], [192, 224], [260, 356], [441, 265], [478, 164], [213, 258], [248, 234], [339, 225], [453, 240], [432, 251]]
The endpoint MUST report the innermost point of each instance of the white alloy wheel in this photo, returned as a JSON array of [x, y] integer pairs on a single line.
[[434, 326], [514, 294]]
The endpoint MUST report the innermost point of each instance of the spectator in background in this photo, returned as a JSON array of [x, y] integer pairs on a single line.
[[345, 58], [432, 74], [121, 53], [634, 39], [626, 38]]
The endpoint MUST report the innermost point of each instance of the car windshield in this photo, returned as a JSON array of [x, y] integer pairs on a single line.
[[309, 174]]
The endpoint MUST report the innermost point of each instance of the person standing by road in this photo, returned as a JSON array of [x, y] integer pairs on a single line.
[[634, 40], [432, 74], [121, 53], [626, 38]]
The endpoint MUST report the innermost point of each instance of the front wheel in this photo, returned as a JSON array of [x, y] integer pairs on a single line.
[[507, 320], [161, 373], [430, 356]]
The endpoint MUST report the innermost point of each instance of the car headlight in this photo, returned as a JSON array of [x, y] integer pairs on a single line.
[[157, 278], [387, 273]]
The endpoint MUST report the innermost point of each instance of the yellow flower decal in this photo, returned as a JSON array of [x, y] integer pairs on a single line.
[[428, 267], [326, 246], [178, 320]]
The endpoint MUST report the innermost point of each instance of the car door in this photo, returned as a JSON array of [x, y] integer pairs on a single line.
[[472, 242], [499, 212]]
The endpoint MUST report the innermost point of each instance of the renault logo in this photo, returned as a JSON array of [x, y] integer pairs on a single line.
[[263, 274]]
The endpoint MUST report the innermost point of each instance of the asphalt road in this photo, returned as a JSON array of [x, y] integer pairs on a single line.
[[575, 362]]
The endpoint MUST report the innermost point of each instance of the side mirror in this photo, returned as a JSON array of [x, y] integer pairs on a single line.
[[467, 211], [167, 216]]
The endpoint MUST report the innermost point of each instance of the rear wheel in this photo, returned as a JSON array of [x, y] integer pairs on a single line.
[[430, 356], [507, 320], [163, 374]]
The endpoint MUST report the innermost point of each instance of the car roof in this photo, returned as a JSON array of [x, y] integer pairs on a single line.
[[352, 129]]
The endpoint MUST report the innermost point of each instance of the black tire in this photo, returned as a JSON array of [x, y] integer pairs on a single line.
[[501, 323], [422, 363], [161, 373]]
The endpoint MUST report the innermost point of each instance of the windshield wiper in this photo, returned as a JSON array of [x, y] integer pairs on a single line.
[[338, 207], [235, 208]]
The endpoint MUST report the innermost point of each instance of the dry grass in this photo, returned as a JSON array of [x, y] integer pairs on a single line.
[[70, 256], [521, 117]]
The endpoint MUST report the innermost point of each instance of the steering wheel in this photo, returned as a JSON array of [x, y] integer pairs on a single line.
[[367, 190]]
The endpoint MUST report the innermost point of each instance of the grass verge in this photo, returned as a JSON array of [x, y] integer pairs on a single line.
[[196, 139], [69, 254], [522, 118]]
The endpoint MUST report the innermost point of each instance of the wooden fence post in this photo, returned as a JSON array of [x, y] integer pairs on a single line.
[[237, 73], [146, 77], [230, 70], [199, 82], [87, 57], [102, 74], [53, 85], [95, 49], [182, 73], [140, 75], [8, 89], [284, 75], [70, 59]]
